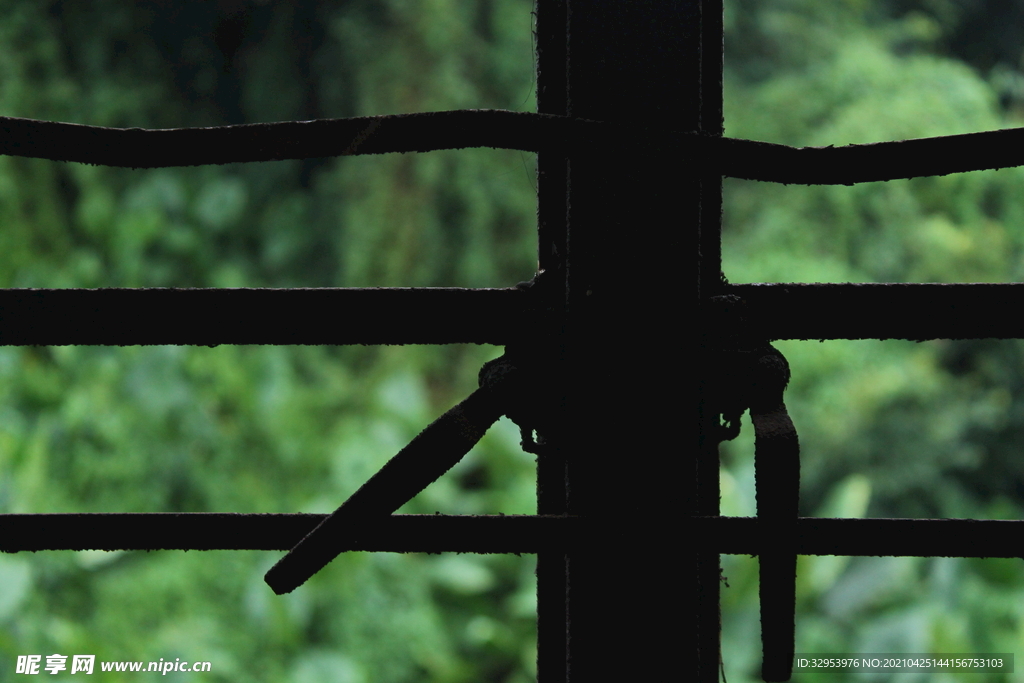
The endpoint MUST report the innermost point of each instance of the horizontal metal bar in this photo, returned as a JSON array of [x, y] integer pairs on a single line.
[[209, 317], [420, 132], [867, 163], [866, 537], [499, 534], [882, 311], [497, 128], [230, 531]]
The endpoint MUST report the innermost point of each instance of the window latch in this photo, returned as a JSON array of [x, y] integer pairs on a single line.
[[506, 388], [750, 374]]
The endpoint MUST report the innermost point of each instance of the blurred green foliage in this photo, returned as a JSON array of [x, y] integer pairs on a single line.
[[887, 428], [261, 429]]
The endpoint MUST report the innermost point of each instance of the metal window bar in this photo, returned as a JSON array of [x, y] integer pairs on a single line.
[[759, 313], [620, 180]]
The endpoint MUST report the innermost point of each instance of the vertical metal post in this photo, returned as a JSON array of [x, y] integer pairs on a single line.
[[709, 255], [552, 617], [631, 469]]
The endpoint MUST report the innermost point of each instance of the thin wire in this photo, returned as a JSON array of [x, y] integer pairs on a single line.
[[533, 55], [528, 174]]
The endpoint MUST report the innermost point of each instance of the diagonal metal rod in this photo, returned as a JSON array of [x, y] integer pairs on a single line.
[[432, 453]]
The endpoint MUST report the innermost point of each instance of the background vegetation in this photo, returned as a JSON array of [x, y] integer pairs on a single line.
[[887, 428], [260, 429]]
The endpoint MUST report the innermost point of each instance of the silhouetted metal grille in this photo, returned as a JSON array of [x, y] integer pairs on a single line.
[[584, 51], [592, 577], [834, 311]]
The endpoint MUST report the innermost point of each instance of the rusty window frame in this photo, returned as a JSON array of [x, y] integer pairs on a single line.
[[209, 317], [672, 53], [786, 311]]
